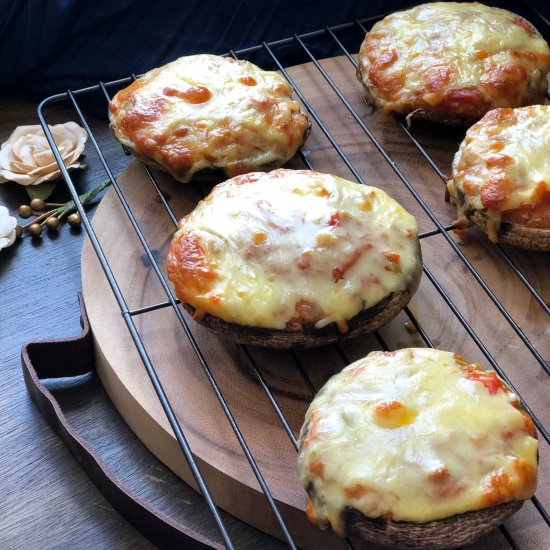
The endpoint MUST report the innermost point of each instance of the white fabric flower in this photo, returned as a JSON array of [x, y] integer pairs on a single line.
[[28, 159], [7, 228]]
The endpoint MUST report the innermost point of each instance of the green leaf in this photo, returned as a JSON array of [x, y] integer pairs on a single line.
[[40, 191]]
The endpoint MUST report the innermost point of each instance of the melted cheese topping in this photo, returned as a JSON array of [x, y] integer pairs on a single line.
[[415, 435], [293, 247], [503, 168], [460, 59], [205, 111]]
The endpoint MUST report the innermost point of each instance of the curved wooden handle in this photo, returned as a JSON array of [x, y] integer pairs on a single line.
[[69, 357]]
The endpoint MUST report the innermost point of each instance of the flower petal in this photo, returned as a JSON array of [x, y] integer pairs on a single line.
[[5, 155], [47, 177], [26, 157], [7, 228], [22, 179], [44, 158], [41, 170], [24, 131]]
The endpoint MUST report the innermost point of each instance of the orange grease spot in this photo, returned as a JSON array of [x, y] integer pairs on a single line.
[[386, 82], [355, 491], [316, 467], [498, 489], [248, 80], [310, 511], [470, 188], [193, 94], [529, 424], [501, 114], [188, 267], [322, 192], [496, 191], [142, 111], [180, 131], [499, 161], [259, 236], [443, 484], [392, 256], [437, 76], [392, 413], [497, 145], [505, 81], [488, 378], [526, 472]]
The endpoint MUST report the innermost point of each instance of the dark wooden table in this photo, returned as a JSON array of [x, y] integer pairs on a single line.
[[47, 500]]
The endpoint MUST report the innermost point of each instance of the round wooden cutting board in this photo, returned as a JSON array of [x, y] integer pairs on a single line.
[[211, 438]]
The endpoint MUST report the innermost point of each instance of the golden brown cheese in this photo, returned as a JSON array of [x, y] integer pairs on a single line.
[[203, 112], [414, 435], [458, 59], [293, 247], [502, 168]]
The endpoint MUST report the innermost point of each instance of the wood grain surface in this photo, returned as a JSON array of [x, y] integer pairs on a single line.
[[212, 441]]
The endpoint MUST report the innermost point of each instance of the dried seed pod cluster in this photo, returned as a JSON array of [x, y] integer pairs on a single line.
[[51, 218]]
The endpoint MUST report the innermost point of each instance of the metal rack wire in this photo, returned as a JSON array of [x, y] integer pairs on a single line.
[[302, 44]]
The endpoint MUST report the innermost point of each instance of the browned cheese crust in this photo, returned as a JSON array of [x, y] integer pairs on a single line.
[[295, 258], [452, 62], [202, 116], [501, 176], [416, 448]]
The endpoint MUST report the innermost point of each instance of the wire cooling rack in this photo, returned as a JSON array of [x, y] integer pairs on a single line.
[[343, 38]]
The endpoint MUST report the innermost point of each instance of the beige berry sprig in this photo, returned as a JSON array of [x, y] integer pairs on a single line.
[[50, 214]]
